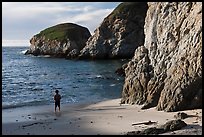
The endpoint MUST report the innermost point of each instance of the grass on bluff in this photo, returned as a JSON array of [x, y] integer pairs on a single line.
[[124, 7], [61, 32]]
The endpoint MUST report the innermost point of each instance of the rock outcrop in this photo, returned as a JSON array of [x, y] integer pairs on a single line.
[[167, 71], [171, 125], [119, 34], [63, 40]]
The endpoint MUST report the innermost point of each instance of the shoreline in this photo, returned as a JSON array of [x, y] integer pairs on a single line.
[[101, 118]]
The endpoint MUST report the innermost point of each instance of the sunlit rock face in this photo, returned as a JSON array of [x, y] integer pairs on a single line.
[[166, 72], [63, 40], [119, 34]]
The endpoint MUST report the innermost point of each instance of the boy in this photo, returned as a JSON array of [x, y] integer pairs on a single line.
[[57, 98]]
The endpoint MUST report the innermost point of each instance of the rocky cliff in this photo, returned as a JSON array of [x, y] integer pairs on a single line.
[[166, 72], [119, 34], [63, 40]]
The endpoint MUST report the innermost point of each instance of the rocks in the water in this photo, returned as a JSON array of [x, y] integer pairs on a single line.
[[167, 71], [119, 34], [121, 71], [63, 40], [168, 126]]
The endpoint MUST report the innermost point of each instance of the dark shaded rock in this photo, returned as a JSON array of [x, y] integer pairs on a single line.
[[35, 52], [181, 115], [148, 131], [168, 126], [173, 125], [133, 132], [121, 71], [119, 34], [152, 131], [63, 40]]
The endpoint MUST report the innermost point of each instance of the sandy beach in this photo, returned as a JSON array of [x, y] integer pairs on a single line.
[[103, 118]]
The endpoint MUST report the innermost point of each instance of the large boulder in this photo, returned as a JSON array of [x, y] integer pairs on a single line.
[[167, 71], [63, 40], [171, 125], [119, 34]]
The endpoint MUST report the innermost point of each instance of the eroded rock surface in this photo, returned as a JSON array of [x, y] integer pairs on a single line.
[[167, 71], [119, 34]]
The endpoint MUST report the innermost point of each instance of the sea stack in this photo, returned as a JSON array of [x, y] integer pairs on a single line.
[[63, 40]]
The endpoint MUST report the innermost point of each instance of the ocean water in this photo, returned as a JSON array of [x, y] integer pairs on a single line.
[[29, 81]]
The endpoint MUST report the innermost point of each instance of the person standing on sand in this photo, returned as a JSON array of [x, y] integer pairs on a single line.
[[57, 98]]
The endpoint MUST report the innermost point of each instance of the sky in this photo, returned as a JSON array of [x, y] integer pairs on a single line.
[[22, 20]]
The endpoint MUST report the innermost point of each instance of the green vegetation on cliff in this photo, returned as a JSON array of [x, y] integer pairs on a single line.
[[62, 32], [124, 7]]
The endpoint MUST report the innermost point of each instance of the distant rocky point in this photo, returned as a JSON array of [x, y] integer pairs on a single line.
[[63, 40]]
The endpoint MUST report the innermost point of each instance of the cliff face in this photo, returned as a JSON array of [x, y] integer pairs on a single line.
[[167, 71], [119, 34], [63, 40]]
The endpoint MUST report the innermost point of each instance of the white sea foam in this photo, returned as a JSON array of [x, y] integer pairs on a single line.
[[99, 76], [23, 52], [112, 85], [47, 56]]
